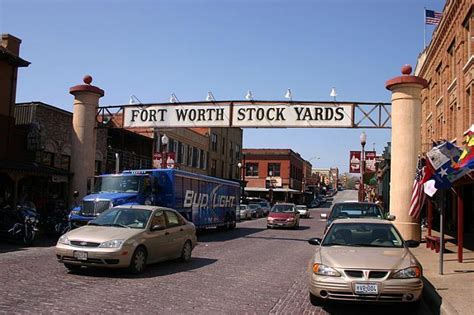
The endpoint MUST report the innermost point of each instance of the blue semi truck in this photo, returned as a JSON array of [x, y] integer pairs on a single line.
[[206, 201]]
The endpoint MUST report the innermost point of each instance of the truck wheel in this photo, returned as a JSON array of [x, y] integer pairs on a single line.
[[138, 261], [186, 252]]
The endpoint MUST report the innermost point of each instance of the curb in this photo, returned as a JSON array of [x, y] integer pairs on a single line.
[[436, 302]]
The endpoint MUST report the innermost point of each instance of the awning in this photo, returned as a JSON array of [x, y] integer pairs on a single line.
[[31, 168]]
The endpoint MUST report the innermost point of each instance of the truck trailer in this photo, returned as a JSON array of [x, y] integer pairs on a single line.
[[206, 201]]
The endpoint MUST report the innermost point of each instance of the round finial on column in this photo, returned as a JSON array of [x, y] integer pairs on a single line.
[[87, 79], [406, 69]]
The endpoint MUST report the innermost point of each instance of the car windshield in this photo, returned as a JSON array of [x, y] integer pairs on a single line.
[[254, 206], [363, 234], [283, 208], [301, 207], [121, 217], [118, 184], [243, 207], [356, 210]]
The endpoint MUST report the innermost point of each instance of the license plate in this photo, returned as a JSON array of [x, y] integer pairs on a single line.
[[80, 255], [366, 288]]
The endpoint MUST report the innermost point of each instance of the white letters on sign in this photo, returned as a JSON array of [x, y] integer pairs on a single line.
[[254, 115]]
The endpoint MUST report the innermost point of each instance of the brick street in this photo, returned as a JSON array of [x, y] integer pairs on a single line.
[[248, 270]]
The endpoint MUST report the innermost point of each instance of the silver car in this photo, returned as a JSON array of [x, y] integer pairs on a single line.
[[303, 210], [364, 260], [244, 212], [128, 237]]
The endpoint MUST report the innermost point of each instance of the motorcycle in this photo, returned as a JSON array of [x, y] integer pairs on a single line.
[[55, 220], [20, 223]]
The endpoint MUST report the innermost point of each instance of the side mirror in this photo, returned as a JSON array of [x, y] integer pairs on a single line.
[[412, 244], [157, 227], [391, 217], [323, 216], [75, 194], [315, 241]]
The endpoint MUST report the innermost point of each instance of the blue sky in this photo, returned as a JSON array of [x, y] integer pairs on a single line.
[[153, 48]]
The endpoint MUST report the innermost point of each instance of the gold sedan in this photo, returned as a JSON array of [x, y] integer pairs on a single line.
[[364, 260], [128, 237]]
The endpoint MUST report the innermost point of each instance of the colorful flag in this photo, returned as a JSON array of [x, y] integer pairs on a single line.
[[418, 196], [466, 160], [432, 17], [444, 158]]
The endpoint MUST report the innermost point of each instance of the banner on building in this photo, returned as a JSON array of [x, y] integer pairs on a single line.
[[355, 162], [169, 157], [232, 114], [370, 160]]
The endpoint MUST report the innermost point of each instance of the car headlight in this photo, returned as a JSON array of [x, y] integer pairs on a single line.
[[324, 270], [407, 273], [64, 240], [290, 219], [112, 244]]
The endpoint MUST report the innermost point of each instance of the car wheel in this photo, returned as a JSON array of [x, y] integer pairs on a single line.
[[316, 301], [72, 267], [186, 252], [138, 262], [269, 227]]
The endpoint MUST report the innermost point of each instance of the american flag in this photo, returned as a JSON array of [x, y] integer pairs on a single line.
[[418, 195], [432, 17]]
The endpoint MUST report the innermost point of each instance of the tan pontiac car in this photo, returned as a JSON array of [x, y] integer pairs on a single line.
[[128, 237], [364, 260]]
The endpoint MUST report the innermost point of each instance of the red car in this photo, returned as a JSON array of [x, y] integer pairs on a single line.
[[283, 215]]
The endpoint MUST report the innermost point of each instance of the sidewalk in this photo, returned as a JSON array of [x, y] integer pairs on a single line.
[[452, 292]]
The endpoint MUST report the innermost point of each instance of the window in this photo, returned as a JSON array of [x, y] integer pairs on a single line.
[[452, 61], [190, 155], [213, 167], [213, 142], [97, 167], [201, 159], [273, 169], [173, 219], [65, 162], [47, 158], [204, 165], [195, 157], [237, 152], [438, 81], [251, 169], [159, 219], [223, 146], [180, 153]]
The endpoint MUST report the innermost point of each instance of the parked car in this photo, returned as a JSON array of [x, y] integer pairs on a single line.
[[353, 210], [315, 203], [255, 210], [283, 215], [244, 212], [265, 205], [303, 210], [128, 237], [364, 260]]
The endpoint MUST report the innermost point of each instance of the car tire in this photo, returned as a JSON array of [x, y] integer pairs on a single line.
[[316, 301], [269, 227], [138, 261], [186, 252], [72, 267]]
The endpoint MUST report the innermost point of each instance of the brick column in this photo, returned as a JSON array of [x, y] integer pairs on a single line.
[[406, 145], [86, 101]]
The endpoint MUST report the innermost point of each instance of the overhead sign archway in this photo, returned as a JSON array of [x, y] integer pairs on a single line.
[[253, 114]]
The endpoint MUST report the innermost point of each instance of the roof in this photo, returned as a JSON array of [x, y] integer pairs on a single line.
[[362, 220], [12, 59]]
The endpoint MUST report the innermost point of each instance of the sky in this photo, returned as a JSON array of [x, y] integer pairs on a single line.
[[154, 48]]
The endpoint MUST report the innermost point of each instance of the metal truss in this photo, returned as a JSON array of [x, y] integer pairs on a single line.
[[372, 115]]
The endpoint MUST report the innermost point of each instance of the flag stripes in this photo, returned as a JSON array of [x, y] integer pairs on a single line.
[[432, 17], [418, 196]]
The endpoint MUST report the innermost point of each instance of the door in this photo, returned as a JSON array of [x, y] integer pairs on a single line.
[[177, 232], [158, 241]]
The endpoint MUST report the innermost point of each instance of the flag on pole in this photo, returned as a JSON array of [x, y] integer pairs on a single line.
[[417, 196], [444, 158], [466, 160], [432, 17]]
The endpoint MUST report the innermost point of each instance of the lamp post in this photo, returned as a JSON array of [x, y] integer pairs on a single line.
[[164, 143], [242, 180], [363, 141], [270, 188]]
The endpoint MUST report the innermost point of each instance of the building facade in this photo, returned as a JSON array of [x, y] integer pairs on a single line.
[[447, 104], [274, 174]]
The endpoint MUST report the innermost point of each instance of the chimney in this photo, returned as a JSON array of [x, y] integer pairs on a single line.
[[11, 43]]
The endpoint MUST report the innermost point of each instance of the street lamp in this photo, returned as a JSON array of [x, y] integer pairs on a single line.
[[270, 189], [164, 142], [363, 141], [242, 180]]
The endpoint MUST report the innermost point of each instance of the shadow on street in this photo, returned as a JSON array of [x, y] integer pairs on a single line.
[[221, 235], [151, 271]]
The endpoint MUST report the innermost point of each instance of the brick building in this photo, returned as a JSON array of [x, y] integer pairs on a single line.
[[276, 174], [447, 104]]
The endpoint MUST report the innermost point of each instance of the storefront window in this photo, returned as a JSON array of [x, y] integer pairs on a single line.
[[65, 162]]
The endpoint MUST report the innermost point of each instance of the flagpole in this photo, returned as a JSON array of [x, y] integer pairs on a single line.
[[424, 23]]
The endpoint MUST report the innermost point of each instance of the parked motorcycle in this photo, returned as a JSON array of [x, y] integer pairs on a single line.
[[55, 219], [20, 223]]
